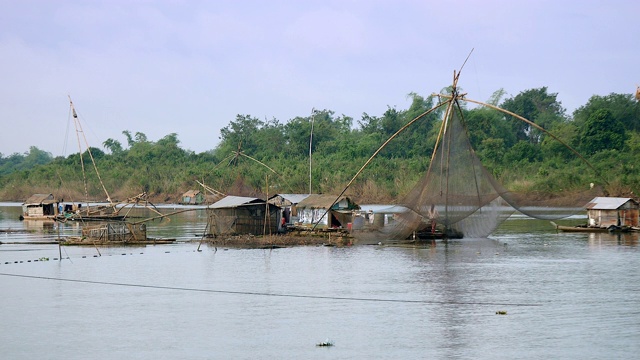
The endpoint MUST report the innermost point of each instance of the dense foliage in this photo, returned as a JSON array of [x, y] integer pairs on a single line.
[[259, 157]]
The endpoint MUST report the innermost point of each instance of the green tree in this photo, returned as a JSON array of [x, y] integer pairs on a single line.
[[240, 132], [602, 131], [552, 148], [538, 106], [484, 123], [114, 146], [623, 107], [130, 140], [523, 151]]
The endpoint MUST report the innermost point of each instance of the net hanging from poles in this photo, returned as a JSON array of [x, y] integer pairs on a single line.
[[459, 195]]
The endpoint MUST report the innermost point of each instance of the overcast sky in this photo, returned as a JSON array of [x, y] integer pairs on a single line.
[[189, 67]]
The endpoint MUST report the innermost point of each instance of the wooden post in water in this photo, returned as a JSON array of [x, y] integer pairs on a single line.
[[59, 245]]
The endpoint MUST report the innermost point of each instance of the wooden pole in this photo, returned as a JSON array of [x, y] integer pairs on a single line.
[[59, 244], [313, 114], [376, 153]]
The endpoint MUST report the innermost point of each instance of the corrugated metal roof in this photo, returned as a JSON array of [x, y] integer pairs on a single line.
[[384, 209], [293, 198], [233, 201], [395, 209], [374, 207], [608, 203]]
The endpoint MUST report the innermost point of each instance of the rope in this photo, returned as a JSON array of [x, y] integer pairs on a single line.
[[253, 293]]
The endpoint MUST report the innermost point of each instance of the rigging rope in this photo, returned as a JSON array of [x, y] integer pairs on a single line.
[[255, 293]]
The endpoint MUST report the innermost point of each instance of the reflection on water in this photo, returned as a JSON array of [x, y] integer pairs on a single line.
[[604, 239], [571, 295]]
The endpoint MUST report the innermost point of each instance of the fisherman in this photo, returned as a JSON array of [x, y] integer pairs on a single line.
[[433, 216]]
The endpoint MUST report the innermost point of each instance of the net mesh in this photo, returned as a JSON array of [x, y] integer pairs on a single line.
[[458, 197]]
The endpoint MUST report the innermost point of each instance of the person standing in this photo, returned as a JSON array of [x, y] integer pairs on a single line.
[[433, 217]]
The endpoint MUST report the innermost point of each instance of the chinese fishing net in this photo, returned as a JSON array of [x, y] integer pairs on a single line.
[[458, 197]]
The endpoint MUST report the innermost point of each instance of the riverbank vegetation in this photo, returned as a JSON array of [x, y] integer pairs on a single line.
[[256, 157]]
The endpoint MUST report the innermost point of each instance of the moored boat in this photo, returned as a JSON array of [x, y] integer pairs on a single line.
[[586, 228]]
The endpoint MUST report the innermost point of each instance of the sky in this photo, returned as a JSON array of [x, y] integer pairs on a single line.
[[190, 67]]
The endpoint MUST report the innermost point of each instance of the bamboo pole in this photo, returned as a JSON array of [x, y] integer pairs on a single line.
[[376, 153], [539, 128], [162, 216], [79, 126]]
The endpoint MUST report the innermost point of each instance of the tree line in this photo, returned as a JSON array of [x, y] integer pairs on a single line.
[[256, 157]]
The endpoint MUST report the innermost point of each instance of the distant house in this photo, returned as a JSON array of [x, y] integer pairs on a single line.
[[318, 209], [239, 215], [192, 197], [607, 211], [289, 205], [376, 215], [39, 207]]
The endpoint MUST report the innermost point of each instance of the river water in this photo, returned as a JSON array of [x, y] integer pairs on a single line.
[[566, 296]]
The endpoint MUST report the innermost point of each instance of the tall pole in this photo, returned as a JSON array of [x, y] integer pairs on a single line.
[[59, 245], [313, 114]]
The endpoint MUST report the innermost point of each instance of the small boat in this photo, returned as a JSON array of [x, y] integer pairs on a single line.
[[586, 228], [89, 213]]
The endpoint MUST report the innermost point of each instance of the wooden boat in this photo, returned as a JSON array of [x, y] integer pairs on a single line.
[[90, 213], [585, 228], [111, 210]]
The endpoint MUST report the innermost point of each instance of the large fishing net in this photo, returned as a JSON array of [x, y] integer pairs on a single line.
[[458, 197]]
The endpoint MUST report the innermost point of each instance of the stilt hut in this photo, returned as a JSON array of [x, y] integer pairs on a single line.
[[239, 215], [288, 203], [604, 212]]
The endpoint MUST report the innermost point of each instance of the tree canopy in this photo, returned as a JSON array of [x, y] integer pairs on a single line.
[[606, 129]]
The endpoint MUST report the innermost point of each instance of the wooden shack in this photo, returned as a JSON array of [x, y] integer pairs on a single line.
[[192, 197], [604, 212], [239, 215], [288, 203], [320, 209], [40, 207]]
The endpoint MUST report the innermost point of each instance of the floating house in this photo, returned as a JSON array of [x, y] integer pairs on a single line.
[[320, 209], [192, 197], [289, 205], [603, 212], [40, 207], [239, 215], [368, 216]]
